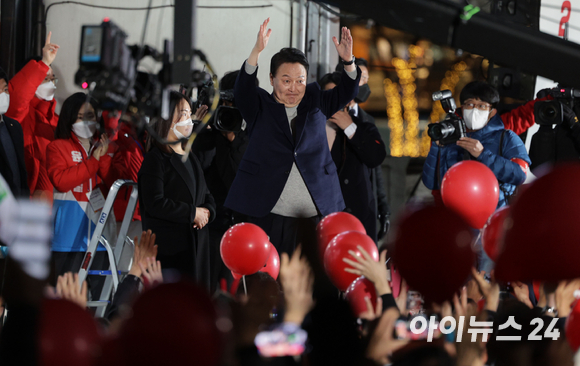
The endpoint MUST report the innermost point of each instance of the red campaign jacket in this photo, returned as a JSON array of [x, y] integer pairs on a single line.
[[68, 168], [522, 117], [128, 157], [38, 120]]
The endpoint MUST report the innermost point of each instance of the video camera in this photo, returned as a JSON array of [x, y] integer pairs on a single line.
[[452, 128], [551, 112], [226, 118]]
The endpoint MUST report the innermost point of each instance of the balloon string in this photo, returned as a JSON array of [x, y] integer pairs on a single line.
[[244, 282]]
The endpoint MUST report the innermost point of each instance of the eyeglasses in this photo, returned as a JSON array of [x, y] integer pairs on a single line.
[[481, 107], [54, 80]]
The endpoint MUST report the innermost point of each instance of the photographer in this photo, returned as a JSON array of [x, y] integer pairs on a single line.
[[487, 142], [220, 147], [558, 136]]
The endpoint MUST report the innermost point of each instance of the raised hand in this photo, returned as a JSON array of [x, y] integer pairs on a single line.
[[200, 113], [376, 272], [69, 288], [261, 43], [151, 270], [344, 48], [297, 282], [49, 50], [263, 36], [144, 248]]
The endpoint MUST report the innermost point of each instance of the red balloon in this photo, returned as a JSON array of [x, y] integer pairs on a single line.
[[68, 334], [338, 249], [272, 266], [236, 276], [334, 224], [172, 324], [541, 234], [492, 232], [245, 248], [432, 251], [357, 292], [573, 327], [470, 188]]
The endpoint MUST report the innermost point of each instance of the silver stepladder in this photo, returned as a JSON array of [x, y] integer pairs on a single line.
[[120, 255]]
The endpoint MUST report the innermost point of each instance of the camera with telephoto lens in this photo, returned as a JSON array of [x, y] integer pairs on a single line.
[[452, 128], [551, 112]]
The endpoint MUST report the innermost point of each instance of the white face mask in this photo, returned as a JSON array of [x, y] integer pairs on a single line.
[[179, 135], [45, 91], [475, 119], [4, 102], [84, 129]]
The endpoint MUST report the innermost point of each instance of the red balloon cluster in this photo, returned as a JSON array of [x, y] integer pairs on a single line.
[[470, 188], [541, 234], [492, 232], [245, 248], [334, 224], [338, 249], [68, 334], [432, 251], [356, 293], [172, 324]]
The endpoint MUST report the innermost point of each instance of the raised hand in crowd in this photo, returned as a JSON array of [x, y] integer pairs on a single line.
[[565, 296], [151, 272], [522, 293], [382, 343], [68, 287], [489, 290], [401, 300], [297, 282], [102, 147], [372, 313], [376, 272], [49, 51], [201, 217], [144, 249]]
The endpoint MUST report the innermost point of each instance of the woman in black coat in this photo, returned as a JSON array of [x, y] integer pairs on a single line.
[[174, 199]]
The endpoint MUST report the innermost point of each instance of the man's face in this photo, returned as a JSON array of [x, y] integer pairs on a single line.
[[473, 106], [289, 84]]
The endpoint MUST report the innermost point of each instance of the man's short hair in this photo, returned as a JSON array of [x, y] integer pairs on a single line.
[[480, 90], [288, 55], [331, 77]]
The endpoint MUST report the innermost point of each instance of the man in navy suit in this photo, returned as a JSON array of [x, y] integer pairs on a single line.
[[287, 172]]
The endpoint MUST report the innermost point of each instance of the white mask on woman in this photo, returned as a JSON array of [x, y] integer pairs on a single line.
[[475, 119], [45, 91], [179, 135], [84, 129], [4, 102]]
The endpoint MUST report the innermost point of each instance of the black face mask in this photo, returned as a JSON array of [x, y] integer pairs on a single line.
[[363, 93]]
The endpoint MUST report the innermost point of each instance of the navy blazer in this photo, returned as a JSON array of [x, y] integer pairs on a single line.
[[265, 167]]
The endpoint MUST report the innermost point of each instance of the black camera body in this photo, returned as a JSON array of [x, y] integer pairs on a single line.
[[228, 119], [551, 112], [452, 128]]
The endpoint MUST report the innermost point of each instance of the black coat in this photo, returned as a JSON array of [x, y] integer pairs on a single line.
[[168, 197], [355, 158], [15, 131]]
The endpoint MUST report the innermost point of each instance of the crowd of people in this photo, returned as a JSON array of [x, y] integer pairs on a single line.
[[302, 154]]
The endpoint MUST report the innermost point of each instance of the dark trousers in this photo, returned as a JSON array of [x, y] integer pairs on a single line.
[[63, 262], [282, 230]]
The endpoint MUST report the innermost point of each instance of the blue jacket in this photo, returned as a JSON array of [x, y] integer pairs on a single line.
[[264, 169], [508, 173]]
